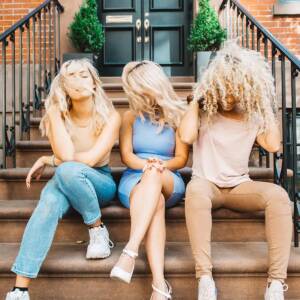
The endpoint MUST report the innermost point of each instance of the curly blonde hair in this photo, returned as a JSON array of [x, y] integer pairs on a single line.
[[243, 74], [59, 96], [150, 92]]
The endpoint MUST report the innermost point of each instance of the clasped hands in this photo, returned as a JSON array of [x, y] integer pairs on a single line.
[[154, 162]]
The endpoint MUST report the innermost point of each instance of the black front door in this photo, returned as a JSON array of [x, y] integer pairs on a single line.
[[156, 30]]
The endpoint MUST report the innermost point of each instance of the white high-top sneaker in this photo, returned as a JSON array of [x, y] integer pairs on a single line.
[[207, 288], [276, 290], [100, 244], [17, 295]]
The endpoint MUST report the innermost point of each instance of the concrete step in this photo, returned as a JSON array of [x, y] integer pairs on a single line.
[[239, 270], [229, 226], [12, 181], [29, 151]]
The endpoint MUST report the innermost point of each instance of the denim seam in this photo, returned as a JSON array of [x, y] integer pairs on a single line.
[[16, 271], [93, 220], [93, 193]]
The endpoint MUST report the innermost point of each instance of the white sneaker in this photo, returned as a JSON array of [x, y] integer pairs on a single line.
[[276, 290], [17, 295], [207, 288], [100, 244]]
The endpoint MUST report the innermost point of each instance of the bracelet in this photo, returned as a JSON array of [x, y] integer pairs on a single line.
[[53, 161]]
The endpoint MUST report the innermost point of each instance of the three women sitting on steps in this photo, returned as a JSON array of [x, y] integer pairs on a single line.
[[233, 106]]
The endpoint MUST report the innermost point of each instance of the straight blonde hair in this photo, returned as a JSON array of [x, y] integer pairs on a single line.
[[58, 96], [150, 92]]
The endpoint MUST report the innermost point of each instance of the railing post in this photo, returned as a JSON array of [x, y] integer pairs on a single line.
[[4, 44], [27, 107], [21, 117], [294, 74], [13, 89], [284, 127]]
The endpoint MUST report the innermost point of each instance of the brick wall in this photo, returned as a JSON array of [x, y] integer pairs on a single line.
[[286, 29], [13, 10]]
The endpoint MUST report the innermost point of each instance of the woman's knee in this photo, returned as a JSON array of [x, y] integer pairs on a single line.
[[196, 198], [277, 198], [152, 177], [68, 171]]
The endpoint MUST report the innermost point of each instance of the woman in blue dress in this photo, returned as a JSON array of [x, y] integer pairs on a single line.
[[152, 151]]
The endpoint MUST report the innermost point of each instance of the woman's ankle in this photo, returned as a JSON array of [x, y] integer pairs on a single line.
[[159, 282], [132, 247], [22, 281]]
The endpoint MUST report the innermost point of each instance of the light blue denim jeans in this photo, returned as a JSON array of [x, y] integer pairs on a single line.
[[73, 185]]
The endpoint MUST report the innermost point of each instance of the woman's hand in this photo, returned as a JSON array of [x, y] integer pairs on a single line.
[[153, 162], [36, 171]]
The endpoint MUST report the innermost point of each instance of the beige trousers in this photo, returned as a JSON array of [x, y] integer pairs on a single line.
[[202, 196]]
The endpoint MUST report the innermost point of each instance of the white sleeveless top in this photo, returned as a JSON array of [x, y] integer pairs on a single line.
[[222, 150]]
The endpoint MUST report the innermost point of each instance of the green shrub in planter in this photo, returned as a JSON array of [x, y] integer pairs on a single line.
[[206, 35], [86, 31]]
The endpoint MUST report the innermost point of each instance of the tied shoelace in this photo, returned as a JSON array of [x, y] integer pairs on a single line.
[[99, 238], [284, 288]]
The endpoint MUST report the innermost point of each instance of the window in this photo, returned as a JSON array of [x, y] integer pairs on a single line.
[[286, 8]]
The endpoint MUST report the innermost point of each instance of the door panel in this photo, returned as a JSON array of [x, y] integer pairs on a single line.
[[167, 44], [119, 22], [146, 29], [114, 38], [166, 5], [117, 5]]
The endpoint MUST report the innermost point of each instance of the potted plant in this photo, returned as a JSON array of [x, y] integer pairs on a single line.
[[86, 32], [206, 35]]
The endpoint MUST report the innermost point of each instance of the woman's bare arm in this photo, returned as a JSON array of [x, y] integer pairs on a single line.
[[60, 140], [104, 143], [188, 129], [271, 139], [181, 155], [130, 159]]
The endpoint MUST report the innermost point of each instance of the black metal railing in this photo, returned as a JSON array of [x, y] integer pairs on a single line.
[[250, 33], [30, 58]]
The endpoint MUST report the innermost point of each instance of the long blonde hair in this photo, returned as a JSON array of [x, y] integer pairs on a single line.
[[244, 74], [150, 92], [58, 96]]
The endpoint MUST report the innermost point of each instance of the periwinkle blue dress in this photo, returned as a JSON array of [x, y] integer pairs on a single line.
[[148, 142]]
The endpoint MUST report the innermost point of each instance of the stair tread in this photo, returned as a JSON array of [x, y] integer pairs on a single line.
[[21, 173], [22, 209], [228, 258]]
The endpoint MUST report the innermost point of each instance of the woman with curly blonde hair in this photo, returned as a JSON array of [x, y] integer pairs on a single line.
[[82, 127], [152, 151], [237, 102]]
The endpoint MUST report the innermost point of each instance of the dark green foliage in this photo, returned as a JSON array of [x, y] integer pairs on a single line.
[[86, 32], [206, 33]]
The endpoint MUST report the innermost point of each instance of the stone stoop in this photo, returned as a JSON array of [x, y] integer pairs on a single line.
[[239, 247], [239, 269]]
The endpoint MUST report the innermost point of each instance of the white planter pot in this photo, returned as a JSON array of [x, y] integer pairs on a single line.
[[203, 59]]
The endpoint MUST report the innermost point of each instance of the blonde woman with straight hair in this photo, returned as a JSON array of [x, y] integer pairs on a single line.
[[152, 151], [82, 127]]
